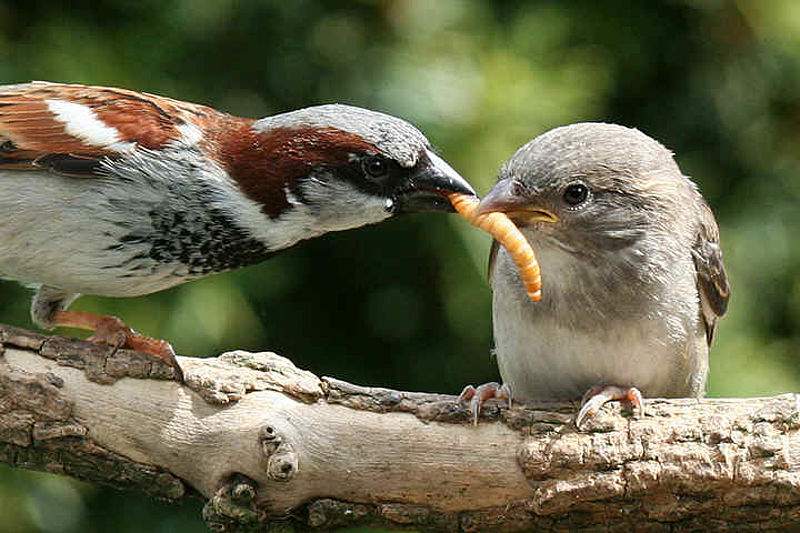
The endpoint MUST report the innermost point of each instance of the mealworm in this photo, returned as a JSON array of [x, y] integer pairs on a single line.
[[499, 226]]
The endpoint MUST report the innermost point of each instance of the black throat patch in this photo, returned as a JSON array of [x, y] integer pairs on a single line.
[[186, 233]]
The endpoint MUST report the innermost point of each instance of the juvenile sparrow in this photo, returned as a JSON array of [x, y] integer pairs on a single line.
[[633, 280], [117, 193]]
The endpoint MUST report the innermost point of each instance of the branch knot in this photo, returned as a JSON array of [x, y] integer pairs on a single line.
[[282, 461]]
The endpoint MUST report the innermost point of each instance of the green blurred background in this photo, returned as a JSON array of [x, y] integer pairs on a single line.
[[405, 304]]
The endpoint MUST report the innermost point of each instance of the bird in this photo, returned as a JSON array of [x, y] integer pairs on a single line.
[[632, 272], [118, 193]]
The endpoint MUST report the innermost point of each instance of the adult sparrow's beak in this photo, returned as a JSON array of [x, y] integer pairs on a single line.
[[506, 197], [428, 185]]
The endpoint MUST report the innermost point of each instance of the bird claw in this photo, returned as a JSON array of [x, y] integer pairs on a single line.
[[114, 332], [477, 396], [599, 395]]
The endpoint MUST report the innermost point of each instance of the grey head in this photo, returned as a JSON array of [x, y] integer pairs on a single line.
[[617, 225], [356, 166], [593, 188], [394, 137]]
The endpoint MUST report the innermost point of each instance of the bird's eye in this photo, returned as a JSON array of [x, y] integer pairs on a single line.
[[576, 194], [375, 166]]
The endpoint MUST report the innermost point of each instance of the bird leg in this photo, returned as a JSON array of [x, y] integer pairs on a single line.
[[484, 392], [114, 332], [599, 395]]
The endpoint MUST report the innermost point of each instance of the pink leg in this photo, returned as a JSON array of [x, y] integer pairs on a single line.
[[599, 395], [112, 331], [487, 391]]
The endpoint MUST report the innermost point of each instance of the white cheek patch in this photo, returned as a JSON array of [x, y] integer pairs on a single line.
[[83, 123], [326, 207], [341, 206]]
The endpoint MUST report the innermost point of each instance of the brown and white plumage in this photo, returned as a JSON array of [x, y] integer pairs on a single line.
[[119, 193]]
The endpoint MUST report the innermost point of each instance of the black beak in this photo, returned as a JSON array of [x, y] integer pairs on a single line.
[[428, 186]]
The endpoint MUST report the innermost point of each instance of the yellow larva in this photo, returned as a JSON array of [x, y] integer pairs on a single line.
[[499, 226]]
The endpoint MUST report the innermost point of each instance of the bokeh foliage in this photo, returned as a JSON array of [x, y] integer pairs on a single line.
[[405, 304]]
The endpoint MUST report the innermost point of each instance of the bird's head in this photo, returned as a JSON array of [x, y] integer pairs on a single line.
[[339, 167], [590, 188]]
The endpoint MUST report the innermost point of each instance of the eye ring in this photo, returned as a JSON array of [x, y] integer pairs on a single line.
[[576, 193], [375, 166]]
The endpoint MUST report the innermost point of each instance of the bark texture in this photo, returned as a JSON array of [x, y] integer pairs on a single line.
[[271, 446]]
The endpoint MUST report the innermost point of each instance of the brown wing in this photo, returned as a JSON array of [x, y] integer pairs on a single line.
[[712, 282], [71, 127]]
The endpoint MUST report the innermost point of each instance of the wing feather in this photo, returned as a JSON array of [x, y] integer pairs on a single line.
[[712, 281], [70, 128]]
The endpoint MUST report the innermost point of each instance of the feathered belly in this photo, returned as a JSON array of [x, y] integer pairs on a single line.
[[112, 238], [589, 331], [543, 360]]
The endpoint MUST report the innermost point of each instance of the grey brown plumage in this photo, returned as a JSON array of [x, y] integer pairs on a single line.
[[118, 193], [633, 277]]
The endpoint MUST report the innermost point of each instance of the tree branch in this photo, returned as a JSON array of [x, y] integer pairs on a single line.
[[266, 443]]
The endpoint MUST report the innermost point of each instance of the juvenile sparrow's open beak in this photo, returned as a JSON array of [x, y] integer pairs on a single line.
[[518, 207], [428, 186]]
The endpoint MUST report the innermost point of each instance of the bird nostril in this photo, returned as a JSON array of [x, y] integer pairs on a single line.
[[7, 146], [518, 188]]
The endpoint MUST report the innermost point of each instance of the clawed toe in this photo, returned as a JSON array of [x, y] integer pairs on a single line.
[[599, 395], [477, 396], [156, 347], [112, 331]]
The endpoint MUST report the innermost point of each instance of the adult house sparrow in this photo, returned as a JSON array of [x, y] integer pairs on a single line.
[[117, 193], [633, 280]]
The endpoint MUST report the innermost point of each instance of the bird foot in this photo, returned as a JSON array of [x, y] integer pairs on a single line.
[[599, 395], [114, 332], [487, 391]]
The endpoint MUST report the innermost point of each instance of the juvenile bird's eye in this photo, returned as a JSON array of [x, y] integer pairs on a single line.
[[576, 194], [375, 166]]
